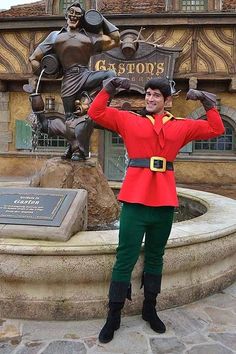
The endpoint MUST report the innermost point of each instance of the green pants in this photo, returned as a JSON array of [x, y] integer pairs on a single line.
[[137, 220]]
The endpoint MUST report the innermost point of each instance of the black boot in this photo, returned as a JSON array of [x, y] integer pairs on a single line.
[[117, 295], [68, 153], [152, 287], [112, 322]]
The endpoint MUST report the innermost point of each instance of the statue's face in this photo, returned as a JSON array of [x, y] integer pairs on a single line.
[[74, 15], [82, 105]]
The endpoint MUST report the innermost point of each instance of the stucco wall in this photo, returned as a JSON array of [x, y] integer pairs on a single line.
[[187, 171]]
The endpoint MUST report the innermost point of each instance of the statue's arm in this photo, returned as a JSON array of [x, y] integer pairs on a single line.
[[111, 36], [43, 48], [35, 59], [110, 41]]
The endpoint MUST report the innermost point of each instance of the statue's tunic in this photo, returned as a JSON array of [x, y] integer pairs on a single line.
[[74, 50]]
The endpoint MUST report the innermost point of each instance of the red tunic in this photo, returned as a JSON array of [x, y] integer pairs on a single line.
[[144, 140]]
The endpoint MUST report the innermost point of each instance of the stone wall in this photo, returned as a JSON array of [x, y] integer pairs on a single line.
[[5, 133]]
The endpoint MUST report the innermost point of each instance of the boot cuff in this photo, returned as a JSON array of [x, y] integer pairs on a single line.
[[152, 282], [118, 291]]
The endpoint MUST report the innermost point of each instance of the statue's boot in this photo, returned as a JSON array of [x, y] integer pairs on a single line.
[[67, 153]]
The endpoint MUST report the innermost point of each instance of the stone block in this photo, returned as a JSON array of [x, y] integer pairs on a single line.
[[3, 127], [4, 116], [4, 106], [193, 82], [4, 96], [3, 147], [5, 136]]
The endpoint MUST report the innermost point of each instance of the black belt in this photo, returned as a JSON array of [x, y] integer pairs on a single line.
[[155, 163], [75, 69]]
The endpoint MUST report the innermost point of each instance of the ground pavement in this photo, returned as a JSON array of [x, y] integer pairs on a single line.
[[207, 326]]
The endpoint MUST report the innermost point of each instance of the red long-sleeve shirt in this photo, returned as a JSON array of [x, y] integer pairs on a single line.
[[144, 140]]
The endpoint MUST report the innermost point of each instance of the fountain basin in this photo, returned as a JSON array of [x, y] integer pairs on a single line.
[[46, 280]]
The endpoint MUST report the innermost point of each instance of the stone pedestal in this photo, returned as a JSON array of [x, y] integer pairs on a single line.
[[102, 204]]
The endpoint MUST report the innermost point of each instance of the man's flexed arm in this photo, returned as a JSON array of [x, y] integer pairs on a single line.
[[108, 117]]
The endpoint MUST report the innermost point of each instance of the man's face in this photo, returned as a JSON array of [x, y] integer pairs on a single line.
[[82, 106], [74, 15], [155, 101]]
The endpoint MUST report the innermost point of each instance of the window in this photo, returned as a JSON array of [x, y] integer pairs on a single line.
[[116, 139], [44, 143], [194, 5], [225, 142], [65, 3]]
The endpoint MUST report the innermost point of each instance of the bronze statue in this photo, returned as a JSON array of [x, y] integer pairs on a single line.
[[68, 53], [73, 46]]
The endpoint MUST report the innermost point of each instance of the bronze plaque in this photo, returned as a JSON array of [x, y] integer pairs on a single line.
[[34, 206]]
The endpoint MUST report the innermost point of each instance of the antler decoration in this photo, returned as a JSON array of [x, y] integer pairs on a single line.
[[147, 40]]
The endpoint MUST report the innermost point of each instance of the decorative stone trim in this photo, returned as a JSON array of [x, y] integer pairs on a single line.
[[5, 133]]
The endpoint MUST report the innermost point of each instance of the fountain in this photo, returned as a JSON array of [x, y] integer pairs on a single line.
[[51, 280]]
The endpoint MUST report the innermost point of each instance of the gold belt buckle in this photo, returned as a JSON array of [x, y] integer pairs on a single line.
[[152, 161]]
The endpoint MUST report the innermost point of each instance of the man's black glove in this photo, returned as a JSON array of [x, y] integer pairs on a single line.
[[207, 99], [115, 84]]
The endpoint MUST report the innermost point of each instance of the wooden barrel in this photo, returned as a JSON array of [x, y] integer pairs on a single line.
[[93, 21]]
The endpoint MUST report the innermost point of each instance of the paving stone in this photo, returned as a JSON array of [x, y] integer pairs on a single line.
[[208, 349], [221, 316], [183, 322], [53, 330], [228, 339], [221, 300], [125, 342], [6, 348], [90, 342], [194, 338], [65, 347], [30, 347], [163, 346], [231, 290], [10, 330]]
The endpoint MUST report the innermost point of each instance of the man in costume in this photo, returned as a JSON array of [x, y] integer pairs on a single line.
[[148, 193], [73, 46]]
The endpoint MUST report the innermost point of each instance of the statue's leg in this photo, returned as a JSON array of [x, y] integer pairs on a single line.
[[96, 78], [69, 105]]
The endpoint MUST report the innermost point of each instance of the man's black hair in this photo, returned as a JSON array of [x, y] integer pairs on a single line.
[[161, 84]]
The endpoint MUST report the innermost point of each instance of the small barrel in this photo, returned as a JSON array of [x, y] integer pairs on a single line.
[[50, 64], [93, 21]]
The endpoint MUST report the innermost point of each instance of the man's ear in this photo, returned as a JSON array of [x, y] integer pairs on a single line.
[[168, 101]]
